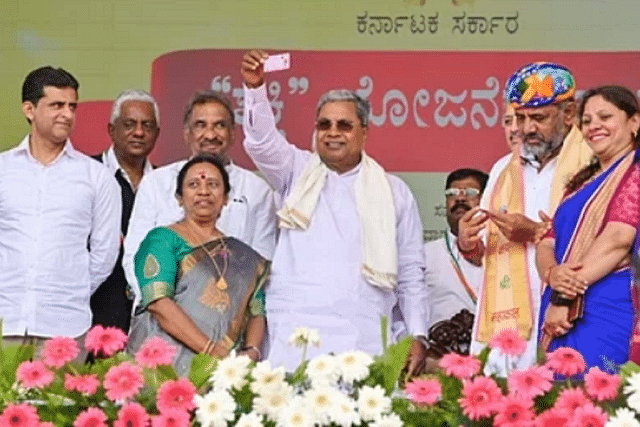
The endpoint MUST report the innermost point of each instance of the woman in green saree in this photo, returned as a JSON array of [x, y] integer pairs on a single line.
[[201, 290]]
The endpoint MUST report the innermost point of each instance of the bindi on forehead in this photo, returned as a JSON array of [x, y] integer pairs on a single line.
[[202, 173]]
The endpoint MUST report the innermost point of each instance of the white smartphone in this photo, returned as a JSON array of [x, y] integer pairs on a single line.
[[278, 62]]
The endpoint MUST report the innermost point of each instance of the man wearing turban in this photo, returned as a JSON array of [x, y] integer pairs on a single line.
[[523, 191]]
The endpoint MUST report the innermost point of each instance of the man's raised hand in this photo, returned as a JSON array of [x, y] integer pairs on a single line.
[[252, 67]]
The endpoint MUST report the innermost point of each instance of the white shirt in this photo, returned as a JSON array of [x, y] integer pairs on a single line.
[[249, 215], [110, 160], [315, 278], [447, 295], [537, 192], [48, 216]]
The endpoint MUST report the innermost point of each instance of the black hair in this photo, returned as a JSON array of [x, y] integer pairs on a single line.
[[203, 158], [35, 82], [206, 97], [624, 100], [459, 174]]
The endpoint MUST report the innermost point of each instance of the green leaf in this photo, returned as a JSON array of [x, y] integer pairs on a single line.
[[167, 372], [10, 357], [384, 324], [628, 369], [484, 355], [392, 361], [298, 376], [202, 367]]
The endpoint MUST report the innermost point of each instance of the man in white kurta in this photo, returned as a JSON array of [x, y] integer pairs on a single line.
[[552, 151], [451, 280], [250, 213], [316, 278]]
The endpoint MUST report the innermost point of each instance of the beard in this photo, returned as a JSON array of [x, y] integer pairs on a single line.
[[541, 150]]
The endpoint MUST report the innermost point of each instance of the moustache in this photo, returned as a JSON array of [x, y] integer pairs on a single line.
[[457, 205]]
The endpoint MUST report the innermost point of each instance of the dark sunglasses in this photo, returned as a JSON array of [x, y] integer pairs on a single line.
[[342, 125]]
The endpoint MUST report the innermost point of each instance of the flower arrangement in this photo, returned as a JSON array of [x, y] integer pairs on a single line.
[[346, 389], [116, 390]]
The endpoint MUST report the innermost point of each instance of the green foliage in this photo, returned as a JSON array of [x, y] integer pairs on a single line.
[[628, 369], [202, 367], [386, 368], [10, 357]]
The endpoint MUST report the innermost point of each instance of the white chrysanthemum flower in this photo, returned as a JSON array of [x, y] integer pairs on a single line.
[[314, 338], [231, 372], [273, 401], [215, 408], [249, 420], [296, 414], [634, 401], [321, 402], [623, 417], [391, 420], [323, 370], [344, 411], [265, 377], [303, 336], [633, 384], [372, 403], [354, 365]]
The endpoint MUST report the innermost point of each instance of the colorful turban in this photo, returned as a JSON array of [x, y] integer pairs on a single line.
[[539, 84]]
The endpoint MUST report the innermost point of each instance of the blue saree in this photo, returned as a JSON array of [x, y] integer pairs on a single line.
[[603, 333]]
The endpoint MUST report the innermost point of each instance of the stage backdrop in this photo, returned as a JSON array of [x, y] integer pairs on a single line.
[[433, 69]]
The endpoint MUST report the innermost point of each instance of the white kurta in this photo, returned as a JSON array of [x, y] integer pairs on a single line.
[[447, 295], [59, 240], [315, 278], [537, 191], [248, 216]]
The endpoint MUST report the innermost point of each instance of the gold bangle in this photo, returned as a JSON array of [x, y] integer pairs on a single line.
[[207, 347]]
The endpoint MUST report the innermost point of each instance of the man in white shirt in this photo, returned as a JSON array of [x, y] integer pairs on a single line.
[[350, 244], [59, 218], [133, 129], [522, 192], [249, 215], [453, 281]]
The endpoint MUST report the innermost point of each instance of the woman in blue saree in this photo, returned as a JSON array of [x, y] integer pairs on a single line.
[[584, 260]]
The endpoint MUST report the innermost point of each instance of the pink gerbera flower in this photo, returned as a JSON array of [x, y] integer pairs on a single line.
[[554, 417], [509, 342], [176, 394], [570, 399], [531, 382], [22, 415], [600, 385], [566, 361], [479, 397], [155, 351], [461, 367], [588, 416], [132, 415], [106, 340], [424, 392], [514, 411], [34, 374], [92, 417], [171, 418], [58, 351], [85, 384], [123, 381]]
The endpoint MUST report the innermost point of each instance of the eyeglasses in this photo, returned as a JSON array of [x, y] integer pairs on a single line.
[[342, 125], [457, 192]]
